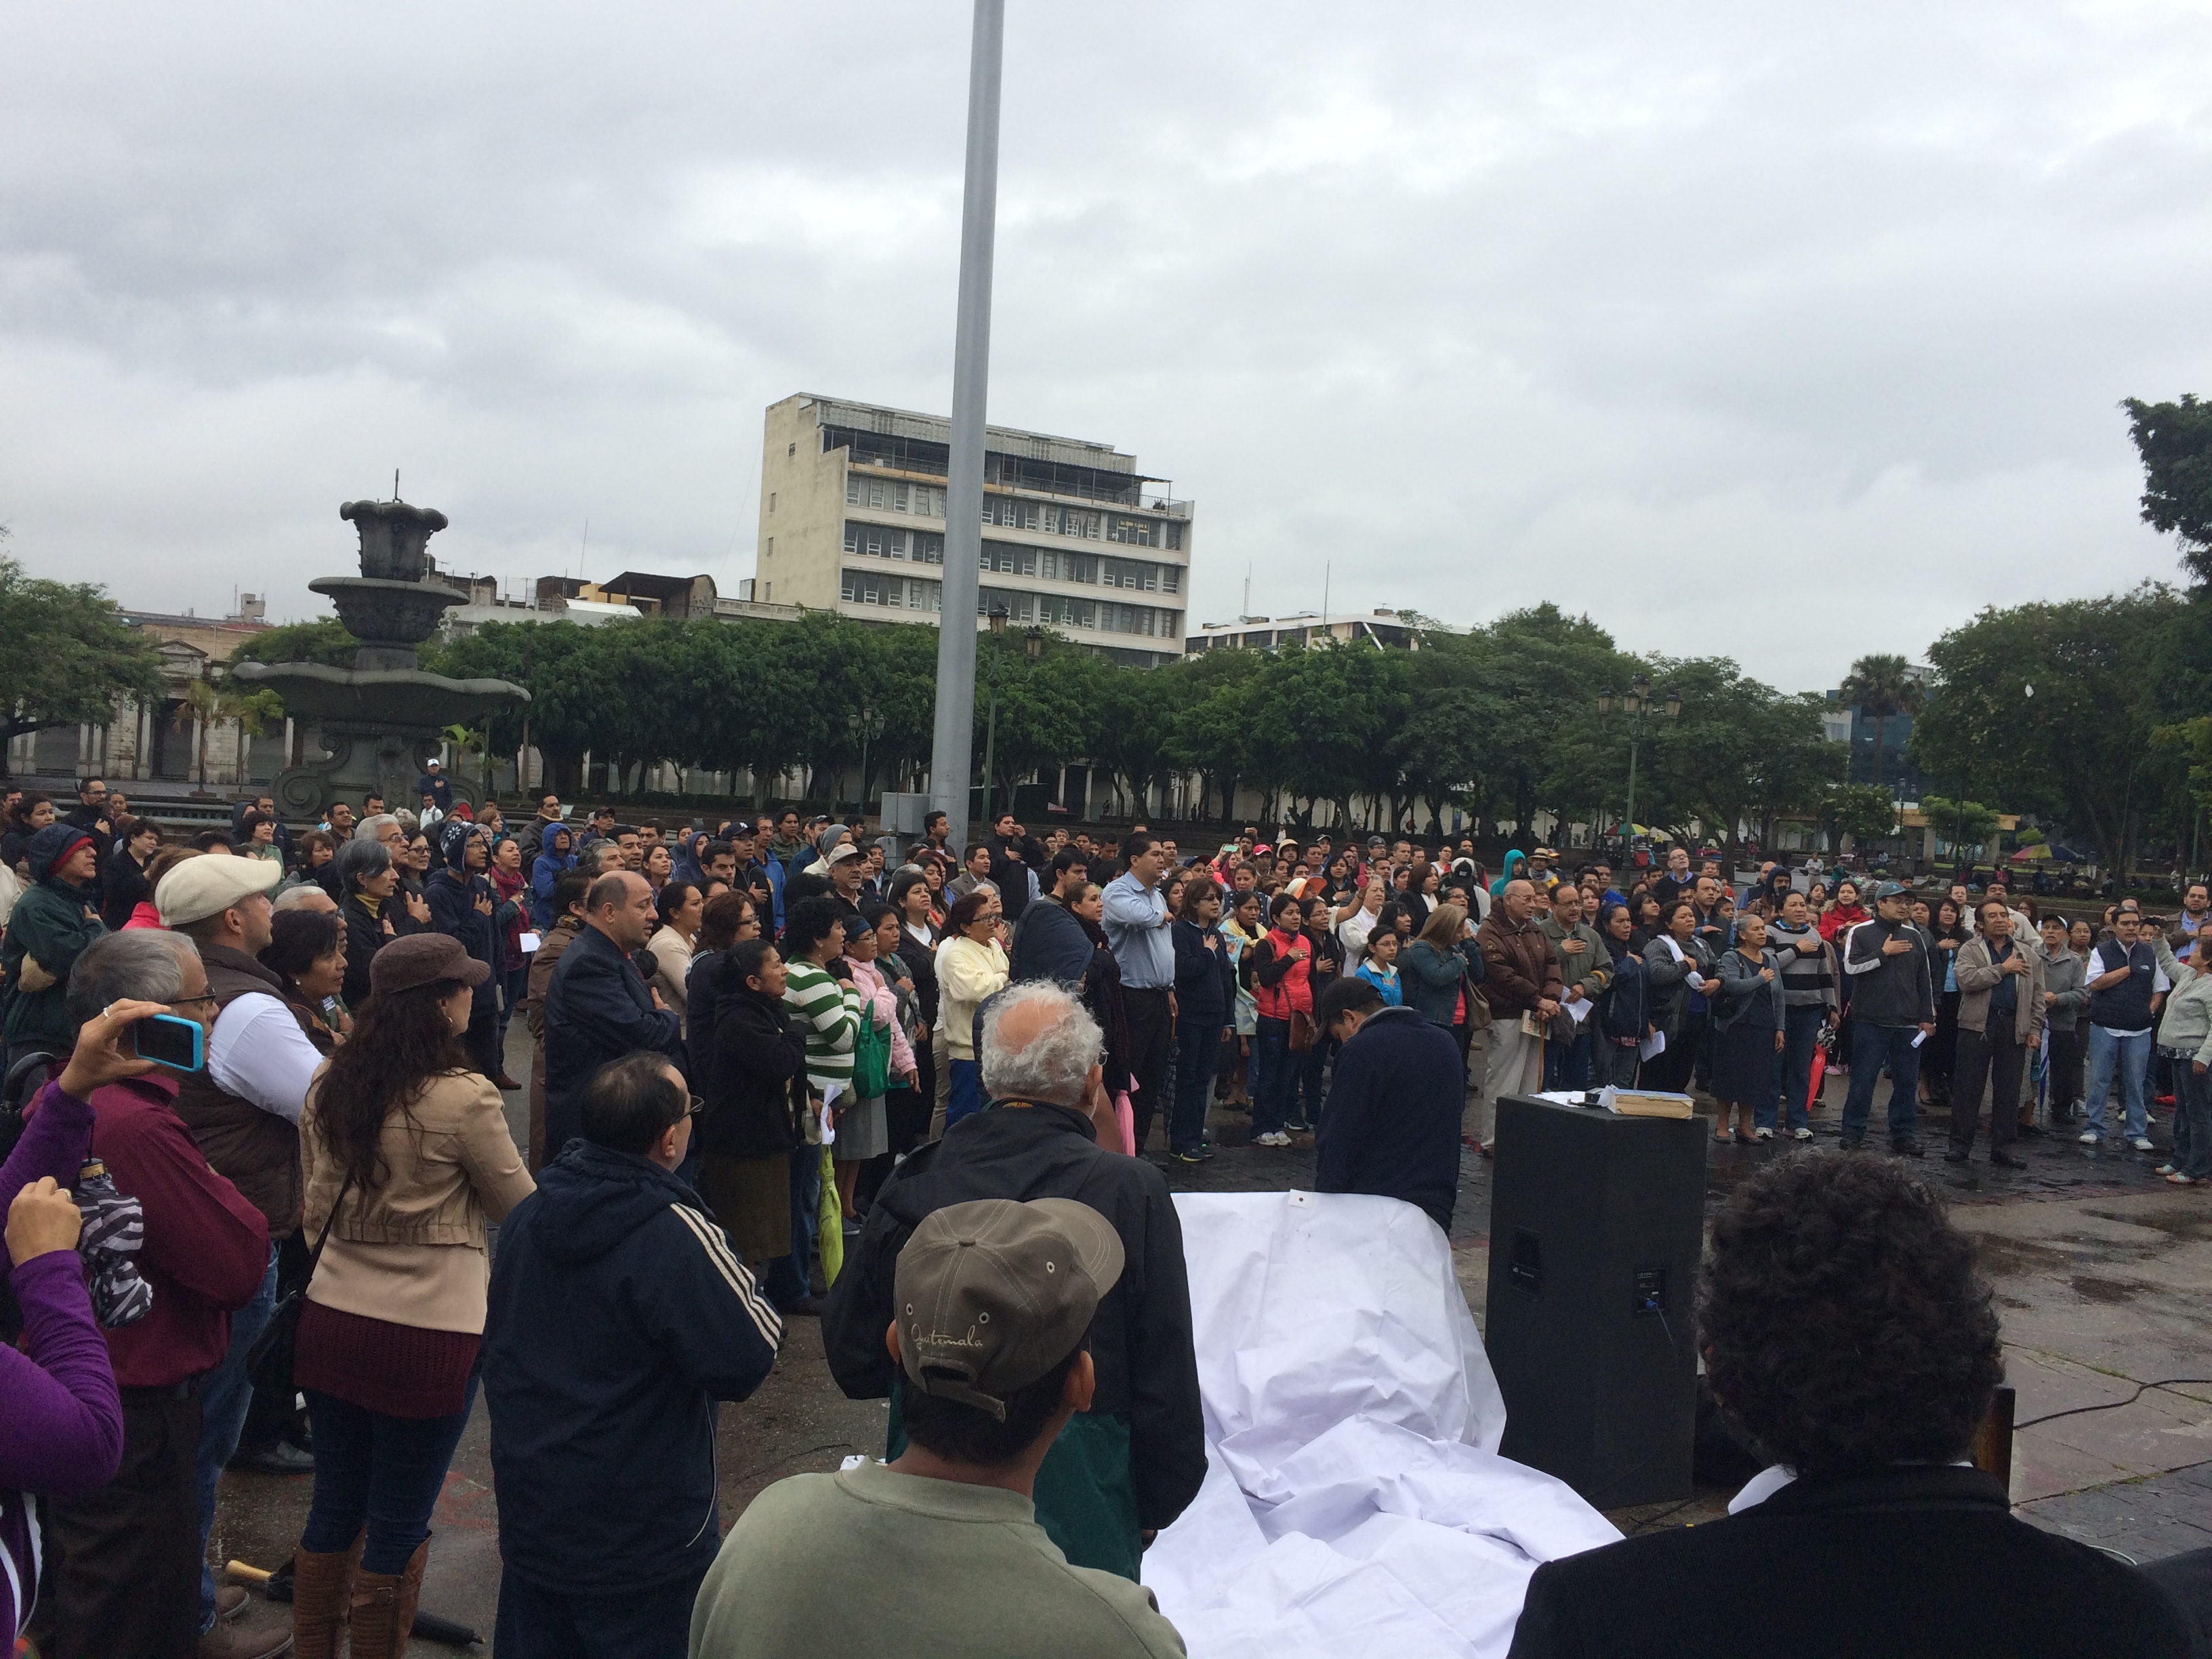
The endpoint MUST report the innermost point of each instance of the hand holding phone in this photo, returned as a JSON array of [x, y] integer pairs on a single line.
[[103, 1055]]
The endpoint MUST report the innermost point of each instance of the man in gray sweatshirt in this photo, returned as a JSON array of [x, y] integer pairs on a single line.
[[1809, 999]]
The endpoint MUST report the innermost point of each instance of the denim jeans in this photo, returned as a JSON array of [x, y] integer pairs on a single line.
[[1199, 1045], [1278, 1081], [965, 1097], [2124, 1055], [1567, 1065], [786, 1276], [537, 1623], [225, 1393], [1800, 1039], [382, 1472], [1310, 1064], [2192, 1120], [1871, 1046]]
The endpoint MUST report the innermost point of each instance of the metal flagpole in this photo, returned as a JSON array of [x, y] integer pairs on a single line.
[[951, 753]]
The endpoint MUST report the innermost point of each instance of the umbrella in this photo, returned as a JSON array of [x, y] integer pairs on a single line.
[[1820, 1072]]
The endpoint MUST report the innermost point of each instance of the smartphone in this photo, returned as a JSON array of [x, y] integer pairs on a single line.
[[179, 1044]]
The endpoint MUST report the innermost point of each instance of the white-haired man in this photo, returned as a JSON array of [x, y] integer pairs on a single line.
[[1128, 1465]]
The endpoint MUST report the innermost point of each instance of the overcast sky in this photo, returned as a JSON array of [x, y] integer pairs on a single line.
[[1791, 332]]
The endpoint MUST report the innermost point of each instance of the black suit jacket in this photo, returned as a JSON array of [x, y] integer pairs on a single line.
[[1898, 1563]]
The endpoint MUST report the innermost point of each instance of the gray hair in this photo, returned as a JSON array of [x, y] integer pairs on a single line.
[[145, 964], [1055, 1064], [303, 895], [359, 859], [373, 826]]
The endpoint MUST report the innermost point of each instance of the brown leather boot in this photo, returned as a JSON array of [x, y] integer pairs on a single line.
[[384, 1607], [322, 1596]]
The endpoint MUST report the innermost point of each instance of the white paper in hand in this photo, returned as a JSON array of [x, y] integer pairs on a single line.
[[529, 942], [828, 1124], [1652, 1046], [1578, 1012]]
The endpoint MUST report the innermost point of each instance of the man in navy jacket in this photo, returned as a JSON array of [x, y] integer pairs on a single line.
[[464, 907], [597, 1006], [1392, 1124], [618, 1315]]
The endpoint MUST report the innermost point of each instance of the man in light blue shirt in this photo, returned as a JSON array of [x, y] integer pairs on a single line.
[[1136, 921]]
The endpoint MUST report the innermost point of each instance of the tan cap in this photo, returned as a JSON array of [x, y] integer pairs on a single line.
[[201, 887], [992, 1294]]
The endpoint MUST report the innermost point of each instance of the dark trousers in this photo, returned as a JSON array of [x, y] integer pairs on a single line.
[[907, 1111], [1272, 1064], [1312, 1065], [378, 1471], [1200, 1047], [1872, 1046], [514, 985], [537, 1623], [2062, 1059], [1151, 1032], [1994, 1058], [1567, 1065], [123, 1563], [481, 1041], [1801, 1040]]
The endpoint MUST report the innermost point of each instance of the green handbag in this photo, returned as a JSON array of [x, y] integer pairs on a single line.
[[871, 1056]]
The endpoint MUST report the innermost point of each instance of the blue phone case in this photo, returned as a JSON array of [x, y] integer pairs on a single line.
[[198, 1040]]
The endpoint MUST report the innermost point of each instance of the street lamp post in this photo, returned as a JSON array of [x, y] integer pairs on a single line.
[[991, 721], [865, 725], [1638, 706]]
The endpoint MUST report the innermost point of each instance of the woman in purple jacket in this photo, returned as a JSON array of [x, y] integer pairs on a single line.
[[62, 1431]]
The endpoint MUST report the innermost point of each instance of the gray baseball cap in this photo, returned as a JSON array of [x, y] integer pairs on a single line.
[[992, 1294]]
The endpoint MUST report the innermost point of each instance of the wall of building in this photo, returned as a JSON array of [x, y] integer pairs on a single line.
[[802, 511]]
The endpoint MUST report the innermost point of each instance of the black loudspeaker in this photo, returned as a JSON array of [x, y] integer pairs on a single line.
[[1596, 1225]]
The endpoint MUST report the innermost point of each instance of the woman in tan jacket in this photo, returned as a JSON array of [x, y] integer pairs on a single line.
[[407, 1158]]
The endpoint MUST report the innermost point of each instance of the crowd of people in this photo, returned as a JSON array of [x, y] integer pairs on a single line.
[[782, 1070]]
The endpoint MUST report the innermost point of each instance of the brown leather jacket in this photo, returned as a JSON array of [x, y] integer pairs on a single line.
[[1519, 969]]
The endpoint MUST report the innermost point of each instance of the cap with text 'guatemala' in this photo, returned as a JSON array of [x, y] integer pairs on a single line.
[[992, 1294]]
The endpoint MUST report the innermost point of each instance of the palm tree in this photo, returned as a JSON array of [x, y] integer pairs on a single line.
[[1883, 686], [204, 702]]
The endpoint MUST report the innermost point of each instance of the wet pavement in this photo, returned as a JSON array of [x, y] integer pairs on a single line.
[[2102, 1273]]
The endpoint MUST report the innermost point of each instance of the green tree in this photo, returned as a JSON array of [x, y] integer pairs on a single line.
[[65, 655], [1741, 753], [1969, 826], [1881, 685], [323, 640], [205, 704], [1210, 700], [2175, 443], [1861, 810], [2048, 707]]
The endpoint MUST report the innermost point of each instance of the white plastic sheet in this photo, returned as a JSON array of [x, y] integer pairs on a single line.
[[1354, 1501]]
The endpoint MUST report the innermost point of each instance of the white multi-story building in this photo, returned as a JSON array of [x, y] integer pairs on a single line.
[[1075, 539]]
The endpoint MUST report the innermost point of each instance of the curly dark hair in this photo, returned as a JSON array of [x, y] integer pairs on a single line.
[[400, 1044], [1845, 1324]]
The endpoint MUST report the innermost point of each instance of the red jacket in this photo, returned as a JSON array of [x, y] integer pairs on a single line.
[[1282, 973], [206, 1248], [1837, 917]]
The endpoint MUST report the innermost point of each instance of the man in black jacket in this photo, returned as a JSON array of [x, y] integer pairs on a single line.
[[618, 1315], [1892, 1013], [1128, 1466], [1392, 1125], [464, 907], [1050, 943], [1847, 1335], [597, 1006], [1014, 853]]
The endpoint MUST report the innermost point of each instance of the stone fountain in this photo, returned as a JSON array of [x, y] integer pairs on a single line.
[[372, 726]]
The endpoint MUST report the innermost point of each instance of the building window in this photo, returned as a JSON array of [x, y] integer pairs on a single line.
[[1174, 534], [791, 449], [851, 537], [1171, 580], [767, 592], [852, 490], [928, 549], [771, 500], [875, 492], [771, 547]]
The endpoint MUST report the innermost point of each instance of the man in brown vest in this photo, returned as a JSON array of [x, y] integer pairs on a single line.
[[243, 1109]]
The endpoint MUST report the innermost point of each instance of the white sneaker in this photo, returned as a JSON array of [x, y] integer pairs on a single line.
[[2142, 1144], [1274, 1138], [1762, 1134], [1801, 1135], [2091, 1137]]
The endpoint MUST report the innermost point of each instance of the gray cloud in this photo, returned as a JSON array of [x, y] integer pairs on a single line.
[[1783, 332]]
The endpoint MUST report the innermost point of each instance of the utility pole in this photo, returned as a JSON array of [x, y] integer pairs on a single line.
[[953, 747]]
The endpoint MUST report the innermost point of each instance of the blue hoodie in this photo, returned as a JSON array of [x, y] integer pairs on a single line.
[[619, 1314], [453, 893]]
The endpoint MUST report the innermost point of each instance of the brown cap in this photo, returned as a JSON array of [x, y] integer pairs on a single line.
[[422, 959], [992, 1294]]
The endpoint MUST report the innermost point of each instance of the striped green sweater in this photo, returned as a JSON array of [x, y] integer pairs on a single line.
[[831, 1010]]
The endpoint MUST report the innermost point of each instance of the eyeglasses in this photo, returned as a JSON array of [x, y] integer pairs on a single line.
[[187, 1002], [697, 1106]]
